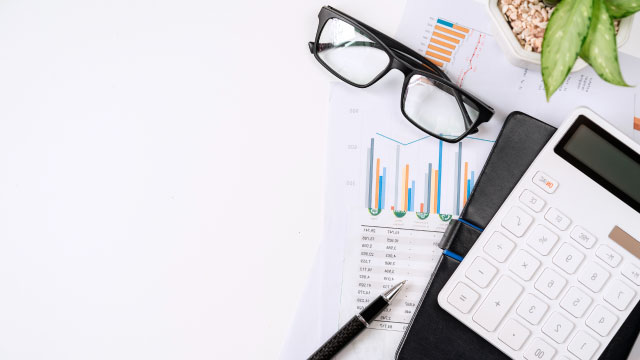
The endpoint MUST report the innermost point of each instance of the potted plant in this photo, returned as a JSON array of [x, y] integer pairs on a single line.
[[574, 33]]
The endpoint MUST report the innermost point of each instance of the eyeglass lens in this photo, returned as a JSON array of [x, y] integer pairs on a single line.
[[432, 105], [350, 53]]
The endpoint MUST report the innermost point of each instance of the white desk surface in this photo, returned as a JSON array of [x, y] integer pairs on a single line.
[[161, 174]]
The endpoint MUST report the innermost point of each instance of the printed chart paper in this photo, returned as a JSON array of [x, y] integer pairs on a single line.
[[383, 250]]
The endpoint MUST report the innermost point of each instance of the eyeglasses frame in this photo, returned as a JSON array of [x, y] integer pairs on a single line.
[[400, 58]]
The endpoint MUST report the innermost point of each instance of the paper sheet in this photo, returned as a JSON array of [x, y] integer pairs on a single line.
[[382, 250]]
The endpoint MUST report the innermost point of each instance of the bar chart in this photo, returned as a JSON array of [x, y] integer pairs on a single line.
[[434, 187], [454, 47], [445, 39]]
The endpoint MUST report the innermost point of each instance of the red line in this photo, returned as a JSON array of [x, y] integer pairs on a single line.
[[475, 51]]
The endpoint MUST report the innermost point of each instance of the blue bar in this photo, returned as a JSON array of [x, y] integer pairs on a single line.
[[468, 189], [409, 207], [413, 191], [445, 23], [383, 187], [439, 176], [370, 177], [473, 180], [381, 179], [428, 204]]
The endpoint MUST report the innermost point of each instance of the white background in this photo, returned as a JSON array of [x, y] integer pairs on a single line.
[[161, 174]]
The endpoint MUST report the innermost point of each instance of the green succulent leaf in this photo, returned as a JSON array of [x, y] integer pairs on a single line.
[[622, 8], [599, 48], [563, 38]]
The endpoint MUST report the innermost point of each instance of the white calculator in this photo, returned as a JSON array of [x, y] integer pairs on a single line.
[[557, 270]]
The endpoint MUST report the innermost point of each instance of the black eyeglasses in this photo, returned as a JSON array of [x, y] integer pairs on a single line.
[[360, 55]]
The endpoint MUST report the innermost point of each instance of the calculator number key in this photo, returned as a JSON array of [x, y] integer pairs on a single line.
[[524, 265], [517, 221], [539, 350], [558, 327], [550, 283], [481, 272], [557, 219], [514, 334], [542, 240], [583, 346], [619, 295], [545, 182], [594, 276], [609, 256], [601, 320], [583, 237], [568, 258], [576, 302], [632, 273], [532, 309], [499, 247], [532, 201]]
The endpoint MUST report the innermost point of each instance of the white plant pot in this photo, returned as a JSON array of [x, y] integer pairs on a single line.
[[520, 57]]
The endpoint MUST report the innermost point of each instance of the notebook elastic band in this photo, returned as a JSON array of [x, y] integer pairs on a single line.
[[470, 224], [452, 255]]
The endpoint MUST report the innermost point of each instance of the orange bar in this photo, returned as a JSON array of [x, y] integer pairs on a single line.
[[448, 38], [435, 196], [391, 207], [463, 29], [440, 50], [436, 62], [636, 123], [466, 175], [450, 32], [442, 43], [421, 207], [438, 56], [377, 181], [406, 188]]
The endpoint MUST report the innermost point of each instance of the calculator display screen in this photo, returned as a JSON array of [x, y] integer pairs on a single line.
[[603, 158]]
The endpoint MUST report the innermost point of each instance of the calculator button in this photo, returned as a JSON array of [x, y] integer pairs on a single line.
[[542, 240], [583, 346], [463, 297], [517, 221], [568, 258], [583, 237], [524, 265], [514, 334], [601, 320], [576, 302], [498, 303], [608, 256], [558, 219], [499, 247], [481, 272], [539, 350], [558, 327], [532, 201], [532, 309], [545, 182], [593, 276], [631, 272], [619, 295], [550, 283]]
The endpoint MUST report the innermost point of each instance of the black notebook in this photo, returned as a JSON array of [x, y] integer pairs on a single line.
[[434, 334]]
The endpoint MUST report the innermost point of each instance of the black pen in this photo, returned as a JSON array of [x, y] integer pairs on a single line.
[[355, 326]]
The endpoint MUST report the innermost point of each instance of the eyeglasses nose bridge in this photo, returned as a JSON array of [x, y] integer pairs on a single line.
[[401, 66]]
